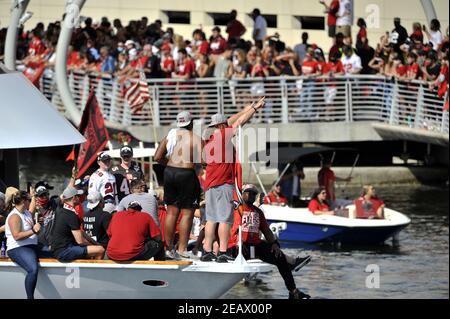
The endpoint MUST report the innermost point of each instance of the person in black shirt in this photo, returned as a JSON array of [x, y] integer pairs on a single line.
[[68, 242], [398, 36], [96, 220], [127, 171], [152, 67]]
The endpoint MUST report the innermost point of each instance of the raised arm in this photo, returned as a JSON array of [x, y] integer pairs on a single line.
[[244, 118]]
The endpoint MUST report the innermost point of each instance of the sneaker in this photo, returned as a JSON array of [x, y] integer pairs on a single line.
[[300, 262], [208, 257], [224, 258], [172, 255], [297, 294], [184, 255]]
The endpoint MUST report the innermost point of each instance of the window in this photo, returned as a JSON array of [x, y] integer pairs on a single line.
[[311, 23], [178, 17], [219, 18], [272, 20]]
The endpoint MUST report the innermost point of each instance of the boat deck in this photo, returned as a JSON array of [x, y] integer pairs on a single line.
[[109, 262]]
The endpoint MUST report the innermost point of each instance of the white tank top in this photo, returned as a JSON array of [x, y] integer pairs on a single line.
[[27, 224]]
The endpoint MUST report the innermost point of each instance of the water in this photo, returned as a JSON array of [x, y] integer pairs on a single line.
[[418, 268]]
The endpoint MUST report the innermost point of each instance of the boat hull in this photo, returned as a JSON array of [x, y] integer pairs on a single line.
[[308, 233], [300, 225], [118, 281]]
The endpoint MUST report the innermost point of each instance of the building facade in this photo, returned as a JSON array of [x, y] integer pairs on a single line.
[[287, 17]]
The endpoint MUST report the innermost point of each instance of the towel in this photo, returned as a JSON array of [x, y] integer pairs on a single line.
[[171, 141]]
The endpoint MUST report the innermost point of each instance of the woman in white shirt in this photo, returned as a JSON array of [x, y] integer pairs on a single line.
[[21, 234], [435, 34]]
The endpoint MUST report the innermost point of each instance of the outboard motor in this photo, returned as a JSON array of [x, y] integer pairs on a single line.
[[277, 228]]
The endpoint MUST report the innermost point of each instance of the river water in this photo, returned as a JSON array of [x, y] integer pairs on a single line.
[[417, 268]]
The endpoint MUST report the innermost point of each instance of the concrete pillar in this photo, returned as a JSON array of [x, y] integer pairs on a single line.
[[73, 9], [17, 10], [429, 10]]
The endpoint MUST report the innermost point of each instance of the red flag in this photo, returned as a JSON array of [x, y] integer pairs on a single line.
[[93, 128], [71, 156], [136, 92]]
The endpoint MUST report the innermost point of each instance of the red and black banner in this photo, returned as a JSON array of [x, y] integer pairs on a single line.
[[93, 128]]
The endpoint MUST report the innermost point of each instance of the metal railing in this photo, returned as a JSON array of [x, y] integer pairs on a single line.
[[289, 100]]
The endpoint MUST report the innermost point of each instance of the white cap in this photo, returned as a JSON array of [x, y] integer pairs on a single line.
[[94, 198], [184, 119], [70, 192], [129, 42], [217, 119]]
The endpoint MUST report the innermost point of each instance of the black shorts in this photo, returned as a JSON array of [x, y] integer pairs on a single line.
[[181, 188]]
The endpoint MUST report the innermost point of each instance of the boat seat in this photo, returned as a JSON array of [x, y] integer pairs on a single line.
[[351, 211], [93, 261]]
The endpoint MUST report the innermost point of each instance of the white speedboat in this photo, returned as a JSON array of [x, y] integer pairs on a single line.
[[92, 279], [300, 225]]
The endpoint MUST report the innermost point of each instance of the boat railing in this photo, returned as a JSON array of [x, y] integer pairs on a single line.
[[289, 99]]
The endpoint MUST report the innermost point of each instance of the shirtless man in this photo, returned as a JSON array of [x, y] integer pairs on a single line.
[[179, 151]]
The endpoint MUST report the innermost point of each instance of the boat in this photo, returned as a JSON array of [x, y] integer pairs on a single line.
[[303, 226], [106, 279], [298, 225]]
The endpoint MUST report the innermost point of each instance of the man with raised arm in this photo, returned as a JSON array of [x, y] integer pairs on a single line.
[[219, 156]]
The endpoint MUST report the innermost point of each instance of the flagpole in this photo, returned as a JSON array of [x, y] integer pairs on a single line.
[[240, 257]]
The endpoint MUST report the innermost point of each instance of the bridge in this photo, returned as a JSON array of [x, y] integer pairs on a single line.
[[342, 110]]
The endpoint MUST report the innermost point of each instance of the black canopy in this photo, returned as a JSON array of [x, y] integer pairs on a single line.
[[292, 154]]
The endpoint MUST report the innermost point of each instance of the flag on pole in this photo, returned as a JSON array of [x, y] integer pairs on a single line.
[[92, 127], [136, 92]]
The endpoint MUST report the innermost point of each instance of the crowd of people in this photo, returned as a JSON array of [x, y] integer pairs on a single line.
[[111, 214], [123, 51]]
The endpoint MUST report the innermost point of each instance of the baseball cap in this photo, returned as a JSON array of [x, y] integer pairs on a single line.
[[217, 119], [250, 188], [126, 151], [93, 199], [129, 42], [184, 119], [41, 190], [71, 192], [135, 205], [103, 156]]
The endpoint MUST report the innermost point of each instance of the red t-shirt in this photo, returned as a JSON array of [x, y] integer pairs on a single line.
[[218, 45], [36, 47], [169, 64], [413, 70], [326, 177], [272, 198], [333, 67], [314, 206], [363, 34], [443, 86], [204, 48], [310, 67], [128, 231], [332, 13], [417, 36], [186, 67], [234, 29], [253, 222], [220, 158], [366, 209], [401, 70]]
